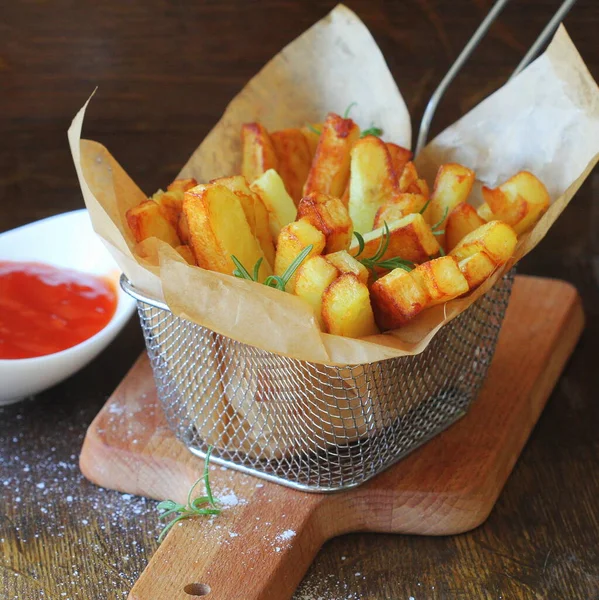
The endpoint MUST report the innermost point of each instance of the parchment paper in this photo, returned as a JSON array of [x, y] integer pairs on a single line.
[[546, 120]]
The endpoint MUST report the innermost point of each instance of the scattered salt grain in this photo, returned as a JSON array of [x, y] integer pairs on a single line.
[[286, 535]]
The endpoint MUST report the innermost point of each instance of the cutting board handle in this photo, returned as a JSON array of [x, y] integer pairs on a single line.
[[246, 552]]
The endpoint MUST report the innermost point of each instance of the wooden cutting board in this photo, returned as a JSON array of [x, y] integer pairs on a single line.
[[267, 535]]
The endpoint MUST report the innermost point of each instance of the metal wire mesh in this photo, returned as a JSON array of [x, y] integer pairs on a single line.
[[310, 426]]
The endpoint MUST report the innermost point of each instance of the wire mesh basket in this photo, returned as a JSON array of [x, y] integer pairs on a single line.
[[310, 426]]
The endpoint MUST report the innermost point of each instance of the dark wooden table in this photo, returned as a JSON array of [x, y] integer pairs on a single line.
[[165, 71]]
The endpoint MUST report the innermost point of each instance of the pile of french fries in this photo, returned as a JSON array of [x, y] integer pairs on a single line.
[[344, 221]]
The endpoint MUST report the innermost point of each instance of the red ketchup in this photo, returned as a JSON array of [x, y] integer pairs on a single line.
[[45, 309]]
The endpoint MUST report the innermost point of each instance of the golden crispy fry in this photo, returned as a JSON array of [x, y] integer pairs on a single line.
[[255, 212], [330, 168], [485, 213], [399, 158], [346, 263], [410, 238], [329, 215], [182, 185], [313, 277], [477, 268], [519, 202], [452, 186], [312, 137], [495, 238], [218, 229], [279, 204], [409, 182], [185, 251], [258, 153], [461, 221], [294, 157], [183, 228], [346, 308], [146, 220], [292, 240], [441, 279], [401, 205], [372, 181], [170, 204], [397, 298]]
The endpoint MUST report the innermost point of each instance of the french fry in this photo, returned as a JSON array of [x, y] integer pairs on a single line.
[[258, 153], [346, 308], [452, 186], [182, 185], [329, 215], [146, 220], [461, 221], [218, 229], [372, 181], [279, 204], [346, 263], [495, 238], [477, 268], [401, 205], [255, 212], [185, 251], [294, 158], [485, 212], [292, 240], [170, 204], [330, 167], [441, 279], [519, 202], [396, 299], [399, 158], [313, 277], [312, 134], [410, 183], [409, 238], [183, 228]]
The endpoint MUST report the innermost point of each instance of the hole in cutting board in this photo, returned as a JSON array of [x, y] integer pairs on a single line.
[[197, 589]]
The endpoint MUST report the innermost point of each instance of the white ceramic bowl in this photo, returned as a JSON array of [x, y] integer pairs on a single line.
[[68, 241]]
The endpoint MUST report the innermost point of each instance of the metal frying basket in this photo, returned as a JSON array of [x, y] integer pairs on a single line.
[[310, 426], [316, 427]]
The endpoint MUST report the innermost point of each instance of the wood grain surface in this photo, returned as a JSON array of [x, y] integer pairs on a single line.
[[265, 541], [165, 70]]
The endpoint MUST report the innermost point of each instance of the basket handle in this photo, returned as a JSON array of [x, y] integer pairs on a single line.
[[257, 555]]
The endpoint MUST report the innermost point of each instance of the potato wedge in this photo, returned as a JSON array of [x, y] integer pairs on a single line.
[[495, 238], [312, 135], [485, 212], [441, 279], [255, 212], [183, 228], [292, 240], [294, 158], [346, 263], [399, 158], [477, 268], [329, 172], [346, 308], [182, 185], [170, 204], [396, 299], [279, 204], [409, 238], [185, 251], [146, 220], [372, 181], [410, 183], [313, 277], [461, 221], [401, 205], [519, 202], [452, 186], [329, 215], [258, 153], [218, 228]]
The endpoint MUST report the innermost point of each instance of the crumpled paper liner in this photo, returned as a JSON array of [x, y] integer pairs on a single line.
[[546, 120]]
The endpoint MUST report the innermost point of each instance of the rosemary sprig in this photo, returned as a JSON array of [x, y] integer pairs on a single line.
[[376, 260], [348, 109], [193, 508], [278, 282], [421, 211], [372, 130], [313, 129], [435, 228]]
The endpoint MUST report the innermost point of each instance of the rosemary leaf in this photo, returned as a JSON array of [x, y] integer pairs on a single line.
[[440, 222], [361, 243], [313, 129], [348, 109], [425, 206], [377, 131]]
